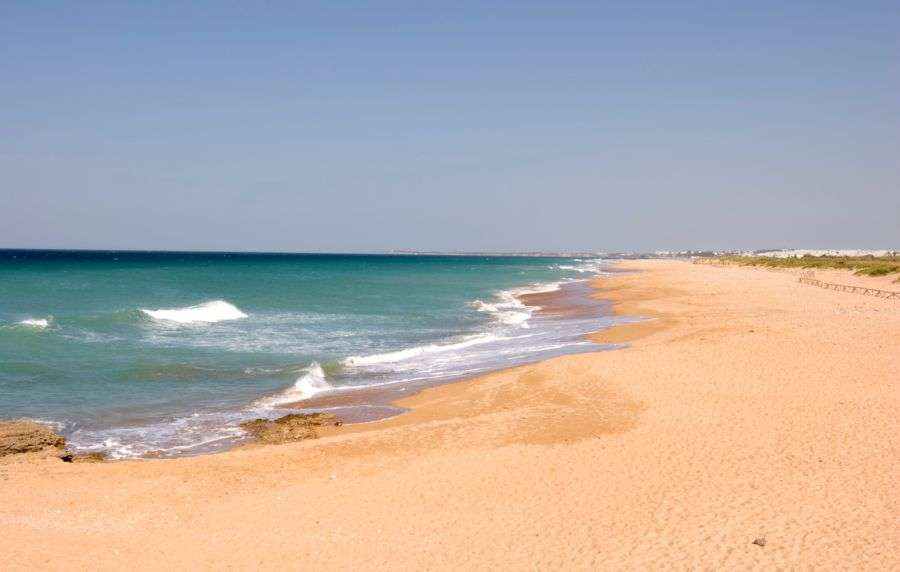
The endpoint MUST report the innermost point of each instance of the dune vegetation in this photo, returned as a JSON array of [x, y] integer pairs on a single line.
[[863, 265]]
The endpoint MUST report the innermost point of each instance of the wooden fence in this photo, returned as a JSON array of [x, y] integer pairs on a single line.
[[711, 261], [855, 289], [807, 278]]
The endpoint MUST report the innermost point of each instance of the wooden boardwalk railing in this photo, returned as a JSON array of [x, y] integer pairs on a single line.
[[855, 289]]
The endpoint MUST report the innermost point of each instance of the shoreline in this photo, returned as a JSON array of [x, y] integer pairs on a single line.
[[623, 302], [380, 403], [427, 396], [731, 418], [359, 392], [372, 405]]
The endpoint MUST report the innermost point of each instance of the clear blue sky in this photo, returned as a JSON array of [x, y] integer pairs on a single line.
[[348, 126]]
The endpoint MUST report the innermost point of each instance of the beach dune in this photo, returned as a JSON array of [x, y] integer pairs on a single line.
[[751, 422]]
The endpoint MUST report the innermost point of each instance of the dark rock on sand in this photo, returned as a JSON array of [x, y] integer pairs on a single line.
[[293, 427], [760, 541], [29, 437], [84, 458]]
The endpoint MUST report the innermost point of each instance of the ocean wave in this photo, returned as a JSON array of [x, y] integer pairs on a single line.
[[585, 266], [35, 322], [538, 288], [208, 312], [310, 383], [191, 434], [507, 310], [418, 351]]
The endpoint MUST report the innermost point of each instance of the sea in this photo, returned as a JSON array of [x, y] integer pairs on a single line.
[[163, 354]]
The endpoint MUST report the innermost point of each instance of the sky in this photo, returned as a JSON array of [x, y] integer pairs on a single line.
[[478, 126]]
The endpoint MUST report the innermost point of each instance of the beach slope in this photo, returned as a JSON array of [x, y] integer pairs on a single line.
[[752, 423]]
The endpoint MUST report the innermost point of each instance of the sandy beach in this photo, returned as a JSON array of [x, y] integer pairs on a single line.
[[751, 423]]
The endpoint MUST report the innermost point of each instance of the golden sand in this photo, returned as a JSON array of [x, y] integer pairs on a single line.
[[752, 408]]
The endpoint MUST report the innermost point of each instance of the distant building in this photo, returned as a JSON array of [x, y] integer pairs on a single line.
[[799, 253]]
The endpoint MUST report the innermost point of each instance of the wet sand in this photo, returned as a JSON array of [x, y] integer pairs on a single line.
[[753, 408]]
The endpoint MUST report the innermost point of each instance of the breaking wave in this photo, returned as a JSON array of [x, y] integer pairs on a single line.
[[592, 266], [208, 312], [508, 310], [310, 383], [418, 351]]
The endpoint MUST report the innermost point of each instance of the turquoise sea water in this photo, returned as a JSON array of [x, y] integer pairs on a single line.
[[138, 353]]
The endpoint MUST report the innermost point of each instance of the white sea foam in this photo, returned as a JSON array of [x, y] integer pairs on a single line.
[[310, 383], [537, 288], [208, 312], [507, 310], [36, 322], [415, 352], [56, 425], [587, 266], [194, 433]]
